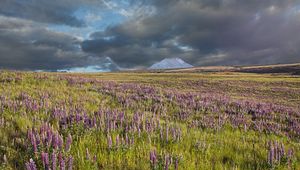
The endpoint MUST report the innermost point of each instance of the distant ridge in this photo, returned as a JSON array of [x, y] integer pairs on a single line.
[[170, 63], [293, 69]]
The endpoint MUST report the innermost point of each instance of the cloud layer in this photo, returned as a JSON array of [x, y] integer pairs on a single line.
[[206, 32], [47, 11], [26, 46], [202, 32]]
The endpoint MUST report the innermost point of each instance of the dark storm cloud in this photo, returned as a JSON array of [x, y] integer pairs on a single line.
[[26, 46], [206, 32], [46, 11], [202, 32]]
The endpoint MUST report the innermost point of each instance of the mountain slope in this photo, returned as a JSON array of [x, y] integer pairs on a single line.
[[170, 63]]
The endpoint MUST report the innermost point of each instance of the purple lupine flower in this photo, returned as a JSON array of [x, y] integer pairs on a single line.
[[173, 130], [27, 166], [31, 165], [61, 162], [95, 122], [87, 154], [54, 141], [30, 136], [290, 157], [117, 140], [290, 153], [275, 147], [49, 137], [53, 161], [139, 131], [70, 163], [167, 133], [127, 140], [167, 162], [178, 134], [78, 118], [68, 143], [271, 154], [60, 141], [109, 141], [34, 143], [161, 133], [153, 158], [45, 160], [43, 139], [176, 163], [132, 140], [282, 152], [95, 158]]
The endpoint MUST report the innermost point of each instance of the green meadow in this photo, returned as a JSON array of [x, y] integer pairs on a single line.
[[149, 121]]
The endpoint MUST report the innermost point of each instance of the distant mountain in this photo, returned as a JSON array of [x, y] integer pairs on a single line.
[[109, 64], [103, 65], [170, 63]]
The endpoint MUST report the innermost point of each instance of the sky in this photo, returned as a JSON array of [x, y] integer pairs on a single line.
[[134, 34]]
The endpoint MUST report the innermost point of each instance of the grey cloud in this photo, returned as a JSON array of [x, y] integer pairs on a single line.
[[219, 32], [47, 11], [26, 46]]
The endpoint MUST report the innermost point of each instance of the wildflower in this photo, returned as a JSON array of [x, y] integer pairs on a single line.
[[117, 140], [153, 158], [95, 158], [167, 162], [70, 163], [61, 161], [68, 143], [87, 154], [31, 165], [60, 142], [176, 162], [45, 160], [109, 141], [53, 161]]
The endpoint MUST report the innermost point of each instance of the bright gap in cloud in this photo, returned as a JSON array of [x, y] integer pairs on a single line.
[[95, 20]]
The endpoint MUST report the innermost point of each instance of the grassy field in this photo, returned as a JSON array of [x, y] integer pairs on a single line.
[[293, 69], [216, 120]]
